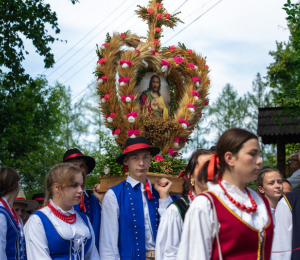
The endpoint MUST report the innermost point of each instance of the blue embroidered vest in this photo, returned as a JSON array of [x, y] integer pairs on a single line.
[[15, 244], [59, 247], [93, 211], [293, 200], [132, 223]]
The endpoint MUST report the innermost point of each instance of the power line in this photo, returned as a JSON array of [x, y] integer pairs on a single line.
[[88, 41], [179, 6], [192, 22]]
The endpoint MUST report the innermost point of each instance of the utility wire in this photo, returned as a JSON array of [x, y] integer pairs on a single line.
[[192, 22], [179, 6], [88, 41]]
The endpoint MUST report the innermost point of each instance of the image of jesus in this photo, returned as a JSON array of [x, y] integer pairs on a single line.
[[151, 100]]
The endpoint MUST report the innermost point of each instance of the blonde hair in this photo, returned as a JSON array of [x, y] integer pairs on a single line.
[[63, 174]]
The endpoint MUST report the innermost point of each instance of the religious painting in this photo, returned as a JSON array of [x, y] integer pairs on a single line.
[[154, 95]]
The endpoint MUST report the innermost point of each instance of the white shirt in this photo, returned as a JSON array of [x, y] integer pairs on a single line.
[[169, 233], [295, 179], [198, 232], [3, 231], [109, 231], [283, 232], [36, 240]]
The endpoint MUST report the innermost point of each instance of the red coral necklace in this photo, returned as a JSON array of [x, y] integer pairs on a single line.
[[191, 195], [236, 203], [70, 219], [12, 212]]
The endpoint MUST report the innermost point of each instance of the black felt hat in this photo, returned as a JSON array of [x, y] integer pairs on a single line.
[[135, 144], [38, 196], [76, 153]]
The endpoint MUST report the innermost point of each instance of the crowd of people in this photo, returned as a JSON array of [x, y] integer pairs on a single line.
[[216, 217]]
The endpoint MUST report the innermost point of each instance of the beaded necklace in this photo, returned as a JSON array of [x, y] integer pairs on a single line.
[[70, 219]]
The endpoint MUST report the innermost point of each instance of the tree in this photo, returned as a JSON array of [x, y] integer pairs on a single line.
[[228, 111], [25, 18]]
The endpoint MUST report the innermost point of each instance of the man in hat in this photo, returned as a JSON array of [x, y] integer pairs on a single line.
[[90, 202], [39, 198], [131, 209], [21, 205]]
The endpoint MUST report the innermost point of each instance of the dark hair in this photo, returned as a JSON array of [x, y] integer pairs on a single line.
[[189, 169], [9, 178], [232, 141], [63, 174], [150, 84], [287, 181], [262, 173]]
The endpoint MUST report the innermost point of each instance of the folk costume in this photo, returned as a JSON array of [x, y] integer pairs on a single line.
[[131, 213], [227, 223], [287, 229], [12, 242], [170, 229], [89, 204], [52, 233]]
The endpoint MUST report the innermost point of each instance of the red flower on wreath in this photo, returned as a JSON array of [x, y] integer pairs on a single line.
[[172, 48], [189, 51], [206, 103], [206, 66], [184, 140], [158, 157], [124, 168], [178, 59], [150, 10], [123, 35], [168, 16], [153, 51], [117, 131], [104, 78], [138, 51], [112, 115], [157, 29], [170, 151], [156, 42], [191, 65], [164, 62], [200, 114], [159, 16], [101, 61], [136, 132], [105, 44], [158, 5], [106, 97]]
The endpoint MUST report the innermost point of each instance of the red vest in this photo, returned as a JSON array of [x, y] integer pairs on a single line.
[[238, 240]]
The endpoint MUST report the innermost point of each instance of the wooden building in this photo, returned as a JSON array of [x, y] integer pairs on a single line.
[[273, 132]]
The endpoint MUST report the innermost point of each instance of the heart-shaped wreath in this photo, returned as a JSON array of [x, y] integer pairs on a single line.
[[128, 57]]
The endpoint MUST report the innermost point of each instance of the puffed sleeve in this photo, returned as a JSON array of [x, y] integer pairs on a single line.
[[3, 232], [198, 231], [169, 234], [36, 241]]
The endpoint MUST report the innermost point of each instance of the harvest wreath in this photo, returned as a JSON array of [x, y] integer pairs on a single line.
[[125, 57]]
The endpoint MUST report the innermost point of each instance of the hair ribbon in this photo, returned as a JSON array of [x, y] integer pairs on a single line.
[[214, 161]]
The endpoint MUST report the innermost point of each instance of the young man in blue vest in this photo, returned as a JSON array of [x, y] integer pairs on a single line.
[[90, 202], [131, 209]]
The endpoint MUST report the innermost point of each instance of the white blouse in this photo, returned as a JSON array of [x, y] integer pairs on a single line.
[[36, 240], [198, 232], [109, 231], [3, 231], [169, 233]]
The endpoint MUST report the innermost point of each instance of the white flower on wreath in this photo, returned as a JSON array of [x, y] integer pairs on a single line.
[[103, 100], [131, 49], [132, 136], [196, 97], [197, 84], [192, 109], [149, 48], [131, 119], [116, 136], [128, 99], [164, 68], [122, 84], [100, 81], [184, 126], [125, 65], [176, 144], [106, 169], [110, 120]]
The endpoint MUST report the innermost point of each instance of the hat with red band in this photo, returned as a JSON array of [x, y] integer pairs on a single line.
[[136, 144], [77, 154]]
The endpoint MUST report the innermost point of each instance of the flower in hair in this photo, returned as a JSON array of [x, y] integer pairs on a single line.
[[157, 29], [150, 10], [191, 65], [189, 51], [123, 35], [159, 16], [195, 94], [172, 48], [191, 107], [156, 42], [168, 16]]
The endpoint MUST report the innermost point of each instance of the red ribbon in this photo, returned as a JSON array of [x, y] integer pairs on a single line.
[[73, 155], [39, 199], [134, 147], [211, 166], [81, 204], [147, 188], [182, 175]]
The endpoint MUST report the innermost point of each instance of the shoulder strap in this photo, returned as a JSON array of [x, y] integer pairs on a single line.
[[182, 207]]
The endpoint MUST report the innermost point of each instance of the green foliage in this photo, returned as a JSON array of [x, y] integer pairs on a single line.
[[29, 19], [182, 46], [176, 164]]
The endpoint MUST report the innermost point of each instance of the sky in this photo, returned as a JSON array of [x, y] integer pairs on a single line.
[[235, 37]]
